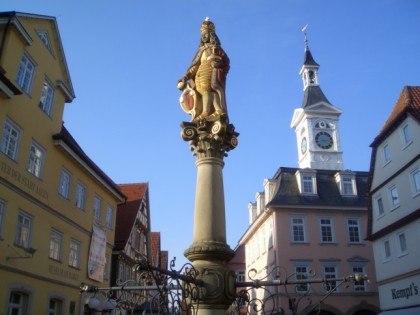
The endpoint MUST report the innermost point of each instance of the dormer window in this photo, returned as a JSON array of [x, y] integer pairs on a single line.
[[306, 181], [346, 183]]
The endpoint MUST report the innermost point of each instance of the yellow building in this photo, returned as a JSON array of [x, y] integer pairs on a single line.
[[57, 208]]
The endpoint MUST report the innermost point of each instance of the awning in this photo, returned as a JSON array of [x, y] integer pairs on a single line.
[[402, 311]]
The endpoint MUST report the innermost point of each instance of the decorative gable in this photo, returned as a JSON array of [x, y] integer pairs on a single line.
[[45, 39]]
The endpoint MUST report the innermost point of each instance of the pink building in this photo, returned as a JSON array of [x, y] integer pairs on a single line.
[[310, 222]]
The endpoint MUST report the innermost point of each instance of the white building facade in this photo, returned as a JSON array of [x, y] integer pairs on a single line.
[[394, 191]]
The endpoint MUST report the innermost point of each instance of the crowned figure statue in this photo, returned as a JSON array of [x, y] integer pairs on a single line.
[[204, 83]]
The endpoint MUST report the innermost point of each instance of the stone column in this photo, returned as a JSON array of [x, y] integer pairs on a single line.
[[209, 252]]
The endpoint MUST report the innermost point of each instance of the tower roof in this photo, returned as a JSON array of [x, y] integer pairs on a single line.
[[313, 95], [308, 59]]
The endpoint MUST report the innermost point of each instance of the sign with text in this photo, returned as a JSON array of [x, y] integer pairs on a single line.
[[96, 263], [401, 293]]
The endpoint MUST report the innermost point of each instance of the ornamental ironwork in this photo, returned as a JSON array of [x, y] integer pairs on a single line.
[[177, 292]]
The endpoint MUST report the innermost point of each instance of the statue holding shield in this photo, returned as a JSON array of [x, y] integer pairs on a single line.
[[204, 83]]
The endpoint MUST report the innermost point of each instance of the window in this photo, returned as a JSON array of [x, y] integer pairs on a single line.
[[380, 206], [353, 231], [36, 160], [307, 185], [97, 204], [64, 184], [23, 230], [18, 303], [46, 100], [395, 200], [402, 244], [80, 196], [406, 135], [74, 256], [348, 186], [326, 230], [10, 140], [270, 234], [359, 286], [386, 153], [240, 275], [2, 216], [301, 273], [415, 181], [386, 250], [298, 229], [109, 216], [55, 307], [330, 273], [26, 74], [56, 239]]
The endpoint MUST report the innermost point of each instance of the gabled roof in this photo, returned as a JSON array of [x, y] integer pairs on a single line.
[[65, 141], [328, 193], [12, 18], [127, 212], [407, 103]]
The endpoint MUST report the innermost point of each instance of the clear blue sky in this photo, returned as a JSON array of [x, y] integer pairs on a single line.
[[126, 56]]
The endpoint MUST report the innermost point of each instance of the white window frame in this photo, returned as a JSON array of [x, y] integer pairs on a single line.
[[97, 208], [328, 274], [302, 272], [65, 180], [306, 179], [23, 232], [56, 308], [394, 197], [74, 253], [406, 135], [23, 304], [415, 181], [301, 226], [10, 139], [2, 216], [386, 154], [386, 250], [350, 231], [47, 97], [329, 226], [80, 196], [379, 205], [56, 245], [36, 159], [109, 217], [402, 247], [26, 73], [270, 234]]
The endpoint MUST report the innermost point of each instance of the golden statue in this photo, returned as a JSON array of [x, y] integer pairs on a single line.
[[207, 76]]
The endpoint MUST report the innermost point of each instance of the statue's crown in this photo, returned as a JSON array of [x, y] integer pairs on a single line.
[[207, 25]]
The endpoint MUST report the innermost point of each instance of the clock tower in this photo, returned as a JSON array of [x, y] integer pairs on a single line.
[[316, 122]]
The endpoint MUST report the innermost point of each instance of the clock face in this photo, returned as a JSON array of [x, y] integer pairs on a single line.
[[303, 146], [324, 140]]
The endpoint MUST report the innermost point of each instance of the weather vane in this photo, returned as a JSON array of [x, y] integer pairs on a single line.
[[304, 32]]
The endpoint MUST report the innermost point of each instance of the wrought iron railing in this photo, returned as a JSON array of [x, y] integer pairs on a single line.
[[176, 292]]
